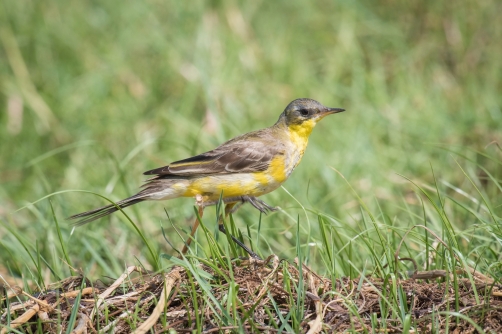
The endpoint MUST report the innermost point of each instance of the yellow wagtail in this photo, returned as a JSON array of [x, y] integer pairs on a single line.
[[239, 170]]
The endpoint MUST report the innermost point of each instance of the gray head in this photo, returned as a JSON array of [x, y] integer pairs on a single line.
[[306, 111]]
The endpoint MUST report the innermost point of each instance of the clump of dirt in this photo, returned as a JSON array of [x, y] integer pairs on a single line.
[[263, 293]]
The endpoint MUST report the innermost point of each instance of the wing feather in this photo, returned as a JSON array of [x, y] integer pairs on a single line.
[[245, 154]]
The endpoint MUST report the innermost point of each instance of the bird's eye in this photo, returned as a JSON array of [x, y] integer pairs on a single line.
[[304, 112]]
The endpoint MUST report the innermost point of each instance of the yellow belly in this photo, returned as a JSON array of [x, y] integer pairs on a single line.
[[239, 184]]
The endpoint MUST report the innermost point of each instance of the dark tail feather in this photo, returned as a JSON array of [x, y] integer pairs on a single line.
[[89, 216]]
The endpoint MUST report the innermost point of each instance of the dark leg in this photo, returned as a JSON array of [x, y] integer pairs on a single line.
[[229, 208]]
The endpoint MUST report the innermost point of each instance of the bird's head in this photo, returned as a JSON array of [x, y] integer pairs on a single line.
[[303, 114]]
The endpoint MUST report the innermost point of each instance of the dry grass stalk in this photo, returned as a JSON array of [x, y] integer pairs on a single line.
[[82, 324], [112, 288], [22, 319], [171, 279]]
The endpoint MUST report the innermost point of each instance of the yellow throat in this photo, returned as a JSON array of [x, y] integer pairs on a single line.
[[299, 134]]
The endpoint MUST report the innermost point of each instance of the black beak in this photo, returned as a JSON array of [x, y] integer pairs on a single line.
[[329, 111], [334, 110]]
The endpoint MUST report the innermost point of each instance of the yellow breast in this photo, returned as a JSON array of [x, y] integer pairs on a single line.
[[274, 176]]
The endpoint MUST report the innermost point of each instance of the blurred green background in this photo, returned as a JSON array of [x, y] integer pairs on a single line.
[[95, 93]]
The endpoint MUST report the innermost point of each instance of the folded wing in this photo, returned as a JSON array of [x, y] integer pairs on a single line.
[[236, 156]]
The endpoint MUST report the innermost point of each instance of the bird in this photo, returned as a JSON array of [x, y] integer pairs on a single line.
[[236, 172]]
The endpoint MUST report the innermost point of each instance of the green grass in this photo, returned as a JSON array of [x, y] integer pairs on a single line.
[[93, 95]]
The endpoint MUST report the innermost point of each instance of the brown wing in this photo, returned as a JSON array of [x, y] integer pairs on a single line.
[[245, 154]]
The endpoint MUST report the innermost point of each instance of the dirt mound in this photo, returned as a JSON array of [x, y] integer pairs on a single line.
[[257, 296]]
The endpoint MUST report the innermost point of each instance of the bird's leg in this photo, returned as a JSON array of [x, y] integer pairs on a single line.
[[230, 208], [200, 204]]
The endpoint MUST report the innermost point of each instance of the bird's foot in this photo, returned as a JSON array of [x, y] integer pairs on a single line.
[[259, 204], [254, 201]]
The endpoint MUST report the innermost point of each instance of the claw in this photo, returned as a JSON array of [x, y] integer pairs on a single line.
[[259, 204]]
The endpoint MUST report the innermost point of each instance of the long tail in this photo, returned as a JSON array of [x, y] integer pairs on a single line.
[[89, 216]]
